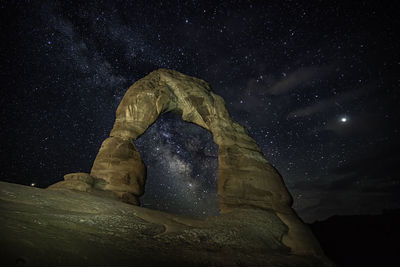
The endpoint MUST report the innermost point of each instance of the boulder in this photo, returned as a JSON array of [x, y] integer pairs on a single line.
[[75, 181]]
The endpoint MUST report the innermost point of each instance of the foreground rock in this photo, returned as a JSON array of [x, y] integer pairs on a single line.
[[66, 228]]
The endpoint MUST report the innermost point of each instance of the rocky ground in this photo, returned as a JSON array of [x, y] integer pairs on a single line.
[[41, 227]]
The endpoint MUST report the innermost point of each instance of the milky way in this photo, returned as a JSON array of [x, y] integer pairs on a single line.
[[316, 85], [182, 167]]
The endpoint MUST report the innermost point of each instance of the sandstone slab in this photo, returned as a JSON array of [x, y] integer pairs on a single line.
[[70, 228]]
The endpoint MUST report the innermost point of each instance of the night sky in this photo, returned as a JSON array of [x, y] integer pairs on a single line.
[[316, 83]]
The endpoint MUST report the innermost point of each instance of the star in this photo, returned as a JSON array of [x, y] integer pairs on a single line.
[[343, 119]]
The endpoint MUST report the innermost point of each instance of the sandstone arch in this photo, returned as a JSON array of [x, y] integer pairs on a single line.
[[245, 178], [246, 181]]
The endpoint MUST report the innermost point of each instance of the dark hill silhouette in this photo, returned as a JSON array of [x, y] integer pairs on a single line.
[[361, 240]]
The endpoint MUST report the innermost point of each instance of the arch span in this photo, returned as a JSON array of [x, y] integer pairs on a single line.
[[245, 177]]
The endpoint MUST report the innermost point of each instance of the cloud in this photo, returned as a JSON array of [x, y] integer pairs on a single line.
[[324, 204], [363, 186], [297, 78], [381, 163], [356, 124], [325, 104]]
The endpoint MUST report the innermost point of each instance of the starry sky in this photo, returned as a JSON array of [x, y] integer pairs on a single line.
[[316, 83]]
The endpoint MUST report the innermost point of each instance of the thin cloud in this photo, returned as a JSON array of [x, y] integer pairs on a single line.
[[324, 204], [297, 78], [324, 104], [364, 185], [381, 162], [356, 124]]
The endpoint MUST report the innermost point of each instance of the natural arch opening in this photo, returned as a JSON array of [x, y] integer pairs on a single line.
[[182, 162], [245, 177]]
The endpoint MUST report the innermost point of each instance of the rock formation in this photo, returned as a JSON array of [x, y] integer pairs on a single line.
[[70, 228], [246, 180]]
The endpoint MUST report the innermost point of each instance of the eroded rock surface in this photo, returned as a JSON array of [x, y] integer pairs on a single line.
[[245, 178], [65, 228]]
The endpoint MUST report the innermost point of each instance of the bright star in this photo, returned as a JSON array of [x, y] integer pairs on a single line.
[[343, 119]]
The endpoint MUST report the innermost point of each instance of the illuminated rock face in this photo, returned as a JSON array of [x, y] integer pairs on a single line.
[[245, 178]]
